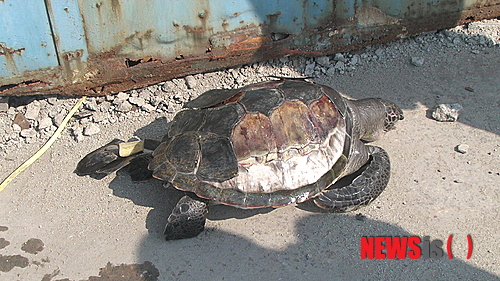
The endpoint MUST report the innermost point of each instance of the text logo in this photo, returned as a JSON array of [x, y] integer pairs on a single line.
[[413, 247]]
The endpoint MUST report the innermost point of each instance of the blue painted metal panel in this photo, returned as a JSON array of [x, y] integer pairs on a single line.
[[25, 39], [167, 28], [69, 37], [67, 25], [105, 46]]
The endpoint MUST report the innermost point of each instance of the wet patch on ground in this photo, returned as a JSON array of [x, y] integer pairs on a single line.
[[124, 272], [33, 246], [7, 263]]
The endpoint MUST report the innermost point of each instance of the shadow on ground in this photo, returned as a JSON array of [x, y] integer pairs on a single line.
[[326, 248]]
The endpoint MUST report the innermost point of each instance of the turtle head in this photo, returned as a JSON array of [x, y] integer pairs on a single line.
[[392, 114], [374, 116]]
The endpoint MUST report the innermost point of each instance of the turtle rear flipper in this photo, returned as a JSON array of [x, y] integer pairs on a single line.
[[138, 167], [187, 219], [368, 184]]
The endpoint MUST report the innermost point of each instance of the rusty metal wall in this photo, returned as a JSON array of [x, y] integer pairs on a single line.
[[98, 47]]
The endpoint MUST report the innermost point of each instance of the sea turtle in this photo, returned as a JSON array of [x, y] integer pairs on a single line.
[[268, 144]]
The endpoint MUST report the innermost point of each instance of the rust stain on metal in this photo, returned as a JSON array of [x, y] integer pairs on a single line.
[[110, 72], [9, 53], [5, 51], [134, 62]]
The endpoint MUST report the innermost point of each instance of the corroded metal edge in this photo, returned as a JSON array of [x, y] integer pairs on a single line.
[[109, 73]]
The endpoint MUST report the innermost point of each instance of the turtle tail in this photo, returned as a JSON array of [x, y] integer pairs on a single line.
[[366, 185]]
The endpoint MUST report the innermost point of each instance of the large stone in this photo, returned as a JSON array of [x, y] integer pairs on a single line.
[[447, 112]]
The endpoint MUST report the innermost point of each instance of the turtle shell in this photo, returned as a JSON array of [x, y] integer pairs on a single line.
[[267, 144]]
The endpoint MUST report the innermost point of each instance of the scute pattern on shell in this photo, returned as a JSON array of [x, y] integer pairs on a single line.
[[267, 144]]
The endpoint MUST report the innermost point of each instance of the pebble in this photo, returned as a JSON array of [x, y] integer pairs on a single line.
[[417, 61], [16, 128], [4, 104], [447, 112], [98, 117], [356, 59], [21, 121], [462, 148], [340, 65], [309, 69], [137, 101], [148, 108], [191, 82], [44, 123], [58, 118], [124, 107], [32, 111], [91, 129], [28, 133], [339, 57], [331, 71], [105, 106], [52, 100], [324, 61], [90, 104], [157, 99]]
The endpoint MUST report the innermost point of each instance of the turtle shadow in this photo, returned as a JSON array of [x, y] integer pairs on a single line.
[[162, 198], [322, 247]]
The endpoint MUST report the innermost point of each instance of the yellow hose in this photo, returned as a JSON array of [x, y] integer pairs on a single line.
[[44, 148]]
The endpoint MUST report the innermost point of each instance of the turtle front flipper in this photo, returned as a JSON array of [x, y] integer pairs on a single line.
[[369, 182], [187, 219]]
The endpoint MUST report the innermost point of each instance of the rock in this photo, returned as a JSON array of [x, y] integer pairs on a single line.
[[4, 104], [447, 112], [340, 65], [52, 100], [57, 120], [309, 69], [44, 123], [91, 129], [21, 120], [90, 104], [417, 61], [339, 57], [331, 71], [324, 61], [83, 114], [462, 148], [137, 101], [28, 133], [356, 59], [120, 98], [16, 128], [124, 107], [379, 52], [191, 82], [98, 116], [148, 108], [32, 111], [104, 106]]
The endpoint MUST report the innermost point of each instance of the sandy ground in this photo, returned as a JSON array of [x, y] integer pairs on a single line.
[[84, 225]]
